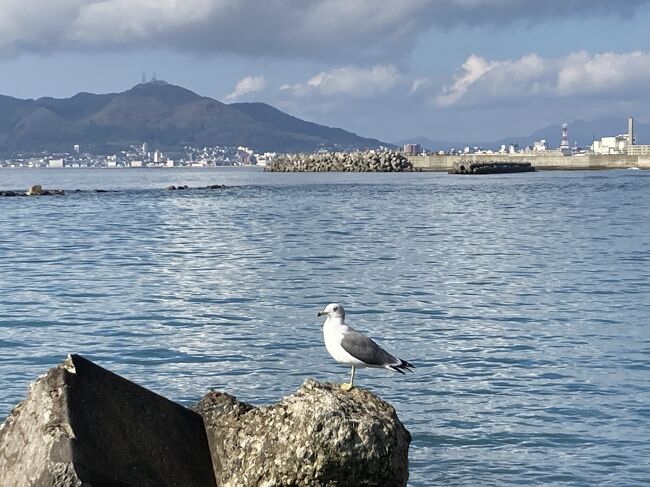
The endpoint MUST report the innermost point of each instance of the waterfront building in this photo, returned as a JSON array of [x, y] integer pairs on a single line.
[[611, 145], [264, 159], [638, 150], [540, 146], [56, 163], [412, 149], [246, 156]]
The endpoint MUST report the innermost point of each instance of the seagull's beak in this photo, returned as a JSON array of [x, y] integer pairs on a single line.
[[321, 313]]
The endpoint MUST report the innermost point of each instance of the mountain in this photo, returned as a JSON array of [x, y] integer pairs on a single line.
[[580, 131], [164, 115]]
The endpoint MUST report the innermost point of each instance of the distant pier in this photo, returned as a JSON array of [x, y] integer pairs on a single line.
[[447, 163]]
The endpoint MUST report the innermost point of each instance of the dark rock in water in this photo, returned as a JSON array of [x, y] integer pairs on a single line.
[[8, 193], [181, 187], [82, 425], [490, 167], [37, 190], [319, 436]]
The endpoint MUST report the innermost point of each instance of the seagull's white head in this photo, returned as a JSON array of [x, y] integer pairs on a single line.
[[333, 310]]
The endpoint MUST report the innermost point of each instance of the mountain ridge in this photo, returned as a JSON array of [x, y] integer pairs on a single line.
[[164, 115]]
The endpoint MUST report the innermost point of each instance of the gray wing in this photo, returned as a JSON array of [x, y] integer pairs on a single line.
[[363, 348]]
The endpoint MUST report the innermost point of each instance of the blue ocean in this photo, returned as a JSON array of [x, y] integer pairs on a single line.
[[522, 299]]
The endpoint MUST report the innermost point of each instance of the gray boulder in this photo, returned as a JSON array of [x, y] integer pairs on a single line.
[[82, 425], [319, 436], [35, 190]]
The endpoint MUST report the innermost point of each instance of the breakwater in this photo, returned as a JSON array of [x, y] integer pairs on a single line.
[[371, 161], [539, 161]]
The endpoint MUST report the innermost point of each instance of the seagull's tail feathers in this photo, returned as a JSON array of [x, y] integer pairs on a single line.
[[400, 366]]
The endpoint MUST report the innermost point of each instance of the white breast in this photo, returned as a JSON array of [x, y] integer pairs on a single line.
[[333, 334]]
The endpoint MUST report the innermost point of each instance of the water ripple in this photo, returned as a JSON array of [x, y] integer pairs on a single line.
[[523, 300]]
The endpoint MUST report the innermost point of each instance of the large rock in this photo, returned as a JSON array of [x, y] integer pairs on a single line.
[[82, 425], [319, 436]]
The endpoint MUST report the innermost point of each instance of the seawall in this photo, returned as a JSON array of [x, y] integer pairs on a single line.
[[543, 162]]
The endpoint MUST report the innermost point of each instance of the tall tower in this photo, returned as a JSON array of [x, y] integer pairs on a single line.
[[565, 138], [630, 131]]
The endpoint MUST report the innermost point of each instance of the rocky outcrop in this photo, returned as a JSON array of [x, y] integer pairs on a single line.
[[82, 425], [37, 190], [182, 187], [490, 167], [370, 161], [319, 436]]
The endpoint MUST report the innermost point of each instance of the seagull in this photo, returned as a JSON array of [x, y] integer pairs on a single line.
[[348, 346]]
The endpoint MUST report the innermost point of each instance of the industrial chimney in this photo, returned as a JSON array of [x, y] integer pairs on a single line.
[[630, 130]]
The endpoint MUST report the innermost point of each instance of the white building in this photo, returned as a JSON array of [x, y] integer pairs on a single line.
[[611, 145], [540, 146], [56, 163], [264, 159]]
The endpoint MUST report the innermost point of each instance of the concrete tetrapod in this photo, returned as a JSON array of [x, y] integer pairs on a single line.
[[82, 425]]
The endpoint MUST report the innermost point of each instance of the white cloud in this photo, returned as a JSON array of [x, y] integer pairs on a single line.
[[245, 86], [350, 81], [307, 28], [578, 74]]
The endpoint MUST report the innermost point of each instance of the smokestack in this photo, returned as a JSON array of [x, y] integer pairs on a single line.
[[630, 130]]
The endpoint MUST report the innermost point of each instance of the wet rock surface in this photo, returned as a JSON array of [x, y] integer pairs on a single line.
[[82, 425], [319, 436], [370, 161]]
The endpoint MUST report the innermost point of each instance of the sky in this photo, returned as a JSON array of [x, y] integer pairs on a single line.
[[457, 70]]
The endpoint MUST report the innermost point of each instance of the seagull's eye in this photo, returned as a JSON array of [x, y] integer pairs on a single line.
[[336, 308]]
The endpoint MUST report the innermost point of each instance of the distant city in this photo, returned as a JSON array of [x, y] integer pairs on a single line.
[[146, 156], [143, 156], [621, 144]]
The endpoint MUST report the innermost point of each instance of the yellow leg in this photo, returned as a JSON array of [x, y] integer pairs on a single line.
[[347, 387]]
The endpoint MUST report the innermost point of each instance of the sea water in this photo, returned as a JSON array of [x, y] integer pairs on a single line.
[[523, 300]]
